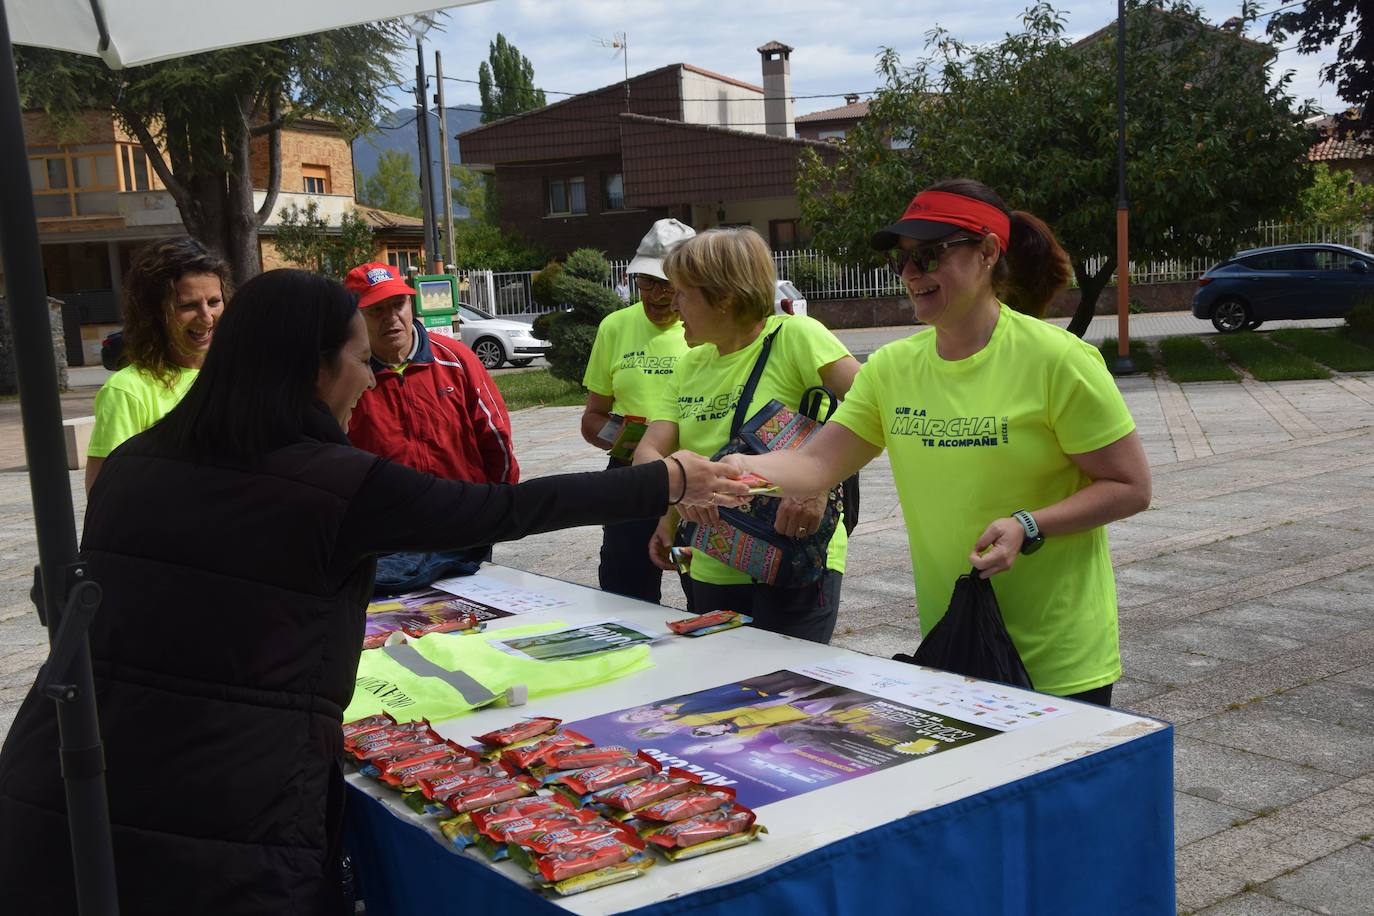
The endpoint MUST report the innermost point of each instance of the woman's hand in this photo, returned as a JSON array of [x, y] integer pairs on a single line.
[[702, 515], [999, 547], [708, 483], [798, 518], [662, 541]]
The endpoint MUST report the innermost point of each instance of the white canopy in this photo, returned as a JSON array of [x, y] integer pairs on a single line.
[[144, 31]]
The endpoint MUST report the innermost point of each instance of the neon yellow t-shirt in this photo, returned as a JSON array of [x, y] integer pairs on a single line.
[[129, 402], [702, 392], [632, 359], [976, 439]]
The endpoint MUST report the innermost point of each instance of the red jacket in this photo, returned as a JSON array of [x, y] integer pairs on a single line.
[[442, 415]]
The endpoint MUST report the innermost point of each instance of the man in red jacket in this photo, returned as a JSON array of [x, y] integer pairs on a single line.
[[435, 408]]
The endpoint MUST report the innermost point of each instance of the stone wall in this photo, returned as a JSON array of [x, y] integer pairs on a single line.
[[9, 381]]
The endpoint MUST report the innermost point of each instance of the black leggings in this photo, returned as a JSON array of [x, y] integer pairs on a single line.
[[1100, 696]]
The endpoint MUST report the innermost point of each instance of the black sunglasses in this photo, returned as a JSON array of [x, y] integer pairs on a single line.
[[926, 258], [647, 283]]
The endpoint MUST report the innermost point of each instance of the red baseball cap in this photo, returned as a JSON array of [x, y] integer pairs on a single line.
[[374, 282]]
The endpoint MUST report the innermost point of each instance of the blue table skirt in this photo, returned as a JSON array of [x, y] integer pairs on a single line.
[[1091, 837]]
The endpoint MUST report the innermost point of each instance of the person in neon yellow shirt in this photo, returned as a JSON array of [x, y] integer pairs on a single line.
[[725, 281], [1007, 436], [635, 351], [173, 297]]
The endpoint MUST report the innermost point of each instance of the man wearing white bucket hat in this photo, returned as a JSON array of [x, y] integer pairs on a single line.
[[634, 354]]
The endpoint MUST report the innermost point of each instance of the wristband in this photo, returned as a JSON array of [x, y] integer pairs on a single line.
[[683, 495], [1034, 539]]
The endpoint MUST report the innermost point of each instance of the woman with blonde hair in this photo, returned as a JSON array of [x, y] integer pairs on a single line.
[[173, 298], [1010, 444], [724, 285]]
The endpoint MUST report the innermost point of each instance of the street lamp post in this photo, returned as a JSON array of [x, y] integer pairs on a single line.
[[418, 26], [1123, 364]]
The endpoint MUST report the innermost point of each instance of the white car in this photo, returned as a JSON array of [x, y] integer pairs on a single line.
[[789, 300], [497, 341]]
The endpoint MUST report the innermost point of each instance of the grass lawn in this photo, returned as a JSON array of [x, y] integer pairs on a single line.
[[1267, 361], [1189, 359], [1141, 355], [1333, 347], [538, 389]]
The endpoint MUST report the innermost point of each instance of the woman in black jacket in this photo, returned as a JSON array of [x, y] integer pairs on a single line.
[[234, 543]]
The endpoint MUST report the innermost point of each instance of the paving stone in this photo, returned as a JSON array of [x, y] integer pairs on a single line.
[[1242, 780], [1254, 904], [1270, 617], [883, 640], [1168, 665], [1357, 822], [1196, 817], [1128, 691], [1341, 883], [1199, 889], [1364, 676], [1216, 641], [1328, 747], [1350, 705], [1312, 843], [1264, 864]]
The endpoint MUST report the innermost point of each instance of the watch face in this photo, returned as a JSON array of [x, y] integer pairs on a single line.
[[1031, 545]]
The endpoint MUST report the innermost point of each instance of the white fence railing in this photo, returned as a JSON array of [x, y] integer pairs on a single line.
[[819, 276]]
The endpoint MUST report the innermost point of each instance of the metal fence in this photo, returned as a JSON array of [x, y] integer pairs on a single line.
[[820, 276]]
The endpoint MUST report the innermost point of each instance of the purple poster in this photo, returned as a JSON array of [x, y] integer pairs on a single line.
[[780, 735]]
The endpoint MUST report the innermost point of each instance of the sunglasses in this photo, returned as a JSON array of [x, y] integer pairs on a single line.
[[648, 284], [925, 258]]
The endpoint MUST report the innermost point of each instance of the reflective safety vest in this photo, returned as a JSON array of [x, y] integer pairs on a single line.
[[443, 675]]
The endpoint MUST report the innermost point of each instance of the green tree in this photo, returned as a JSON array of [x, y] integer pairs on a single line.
[[1335, 199], [578, 294], [306, 238], [196, 117], [1318, 24], [475, 191], [1214, 147], [505, 81], [394, 186], [482, 246]]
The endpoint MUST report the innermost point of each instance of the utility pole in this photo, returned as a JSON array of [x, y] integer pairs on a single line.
[[445, 172], [1123, 364], [426, 179]]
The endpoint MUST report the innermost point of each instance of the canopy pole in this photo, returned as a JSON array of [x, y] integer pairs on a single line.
[[88, 814]]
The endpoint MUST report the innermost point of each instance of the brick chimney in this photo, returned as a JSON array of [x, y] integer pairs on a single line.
[[777, 89]]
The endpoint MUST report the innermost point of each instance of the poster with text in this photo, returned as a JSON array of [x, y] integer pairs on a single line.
[[783, 734], [418, 610]]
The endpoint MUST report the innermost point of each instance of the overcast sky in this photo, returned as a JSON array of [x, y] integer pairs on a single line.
[[835, 41]]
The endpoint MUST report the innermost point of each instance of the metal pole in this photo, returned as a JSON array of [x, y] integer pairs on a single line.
[[1123, 364], [426, 178], [81, 754], [445, 169]]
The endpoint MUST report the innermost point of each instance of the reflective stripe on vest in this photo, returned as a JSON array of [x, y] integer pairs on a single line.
[[406, 656]]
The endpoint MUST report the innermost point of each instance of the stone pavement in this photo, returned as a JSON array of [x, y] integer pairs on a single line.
[[1247, 619]]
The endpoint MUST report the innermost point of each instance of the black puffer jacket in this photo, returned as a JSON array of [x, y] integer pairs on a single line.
[[225, 650]]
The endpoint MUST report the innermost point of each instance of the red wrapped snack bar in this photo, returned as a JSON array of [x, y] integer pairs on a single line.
[[518, 831], [689, 805], [594, 779], [409, 776], [701, 621], [352, 730], [489, 793], [525, 756], [451, 625], [647, 791], [441, 788], [520, 731], [515, 810], [566, 838], [579, 860], [577, 758], [396, 745], [702, 828]]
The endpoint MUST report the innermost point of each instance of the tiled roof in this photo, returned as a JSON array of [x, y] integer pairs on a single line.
[[775, 46], [385, 219], [843, 113], [721, 76], [1336, 148]]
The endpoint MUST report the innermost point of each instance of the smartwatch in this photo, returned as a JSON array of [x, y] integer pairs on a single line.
[[1034, 539]]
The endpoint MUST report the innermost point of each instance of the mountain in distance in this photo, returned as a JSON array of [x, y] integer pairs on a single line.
[[397, 131]]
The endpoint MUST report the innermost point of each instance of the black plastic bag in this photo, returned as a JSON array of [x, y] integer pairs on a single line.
[[971, 639]]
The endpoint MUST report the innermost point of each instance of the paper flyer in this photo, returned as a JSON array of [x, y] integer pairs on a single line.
[[575, 642], [624, 434], [419, 609], [783, 734], [494, 593]]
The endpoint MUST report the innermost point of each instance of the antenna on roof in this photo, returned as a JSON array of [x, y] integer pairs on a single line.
[[622, 47]]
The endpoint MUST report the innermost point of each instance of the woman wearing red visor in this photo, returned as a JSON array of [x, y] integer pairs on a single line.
[[1007, 436]]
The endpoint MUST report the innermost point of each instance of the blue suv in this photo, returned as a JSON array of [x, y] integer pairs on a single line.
[[1286, 281]]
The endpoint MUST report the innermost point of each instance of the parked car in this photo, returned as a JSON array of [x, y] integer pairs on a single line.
[[499, 340], [789, 300], [112, 351], [1285, 281]]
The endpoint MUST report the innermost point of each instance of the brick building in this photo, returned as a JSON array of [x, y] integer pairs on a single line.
[[598, 168], [833, 123], [98, 200]]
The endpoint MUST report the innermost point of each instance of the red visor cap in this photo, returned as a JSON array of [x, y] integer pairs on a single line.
[[375, 282], [935, 214]]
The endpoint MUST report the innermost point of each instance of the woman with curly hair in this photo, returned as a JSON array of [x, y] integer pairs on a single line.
[[173, 297]]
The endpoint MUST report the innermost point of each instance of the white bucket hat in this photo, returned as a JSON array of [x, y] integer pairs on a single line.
[[654, 247]]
